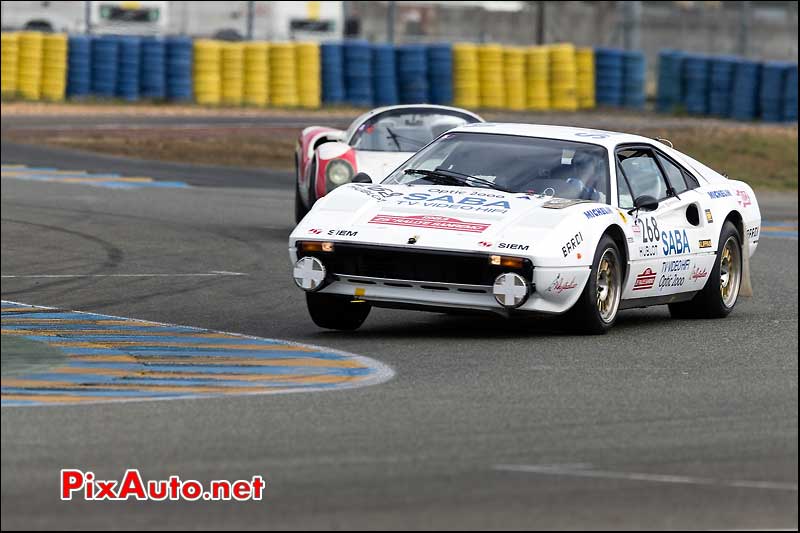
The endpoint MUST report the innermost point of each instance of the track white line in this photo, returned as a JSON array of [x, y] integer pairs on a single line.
[[213, 273], [587, 471]]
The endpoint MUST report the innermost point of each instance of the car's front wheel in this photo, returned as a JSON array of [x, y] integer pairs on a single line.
[[718, 298], [596, 309], [332, 311]]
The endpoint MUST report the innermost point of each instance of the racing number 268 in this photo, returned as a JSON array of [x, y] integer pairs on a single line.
[[650, 229]]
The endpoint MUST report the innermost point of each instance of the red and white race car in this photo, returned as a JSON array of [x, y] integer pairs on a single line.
[[375, 143]]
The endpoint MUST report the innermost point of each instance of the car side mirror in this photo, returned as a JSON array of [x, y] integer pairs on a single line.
[[645, 203], [362, 177]]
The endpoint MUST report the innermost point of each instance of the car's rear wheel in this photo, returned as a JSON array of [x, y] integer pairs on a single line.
[[332, 311], [597, 308], [718, 298]]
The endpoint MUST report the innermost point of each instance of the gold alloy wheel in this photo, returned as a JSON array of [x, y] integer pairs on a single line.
[[608, 286], [730, 272]]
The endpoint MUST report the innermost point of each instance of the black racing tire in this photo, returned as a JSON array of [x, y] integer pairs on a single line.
[[300, 210], [714, 300], [596, 310], [333, 311]]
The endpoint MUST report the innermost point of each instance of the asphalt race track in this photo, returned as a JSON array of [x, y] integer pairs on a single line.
[[486, 423]]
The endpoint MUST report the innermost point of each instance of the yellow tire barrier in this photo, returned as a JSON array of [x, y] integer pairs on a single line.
[[29, 66], [9, 52], [54, 66], [538, 78], [283, 75], [466, 81], [584, 59], [490, 68], [514, 70], [563, 78], [256, 73], [232, 73], [207, 72], [309, 87]]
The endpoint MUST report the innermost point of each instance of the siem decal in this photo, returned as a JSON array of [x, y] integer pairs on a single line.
[[645, 280], [431, 222], [559, 285], [723, 193], [675, 242], [598, 212], [512, 246], [572, 244], [342, 232]]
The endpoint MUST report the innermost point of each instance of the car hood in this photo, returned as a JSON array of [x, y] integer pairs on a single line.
[[379, 164], [435, 216]]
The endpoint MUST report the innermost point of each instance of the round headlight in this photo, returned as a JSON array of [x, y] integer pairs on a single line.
[[339, 172], [510, 290]]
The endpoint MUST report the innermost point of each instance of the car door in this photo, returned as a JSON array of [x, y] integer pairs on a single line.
[[672, 251]]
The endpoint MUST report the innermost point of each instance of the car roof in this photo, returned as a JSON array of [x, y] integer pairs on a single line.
[[609, 139], [379, 110]]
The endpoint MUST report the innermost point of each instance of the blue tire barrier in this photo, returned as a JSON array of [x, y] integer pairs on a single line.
[[771, 96], [412, 73], [634, 69], [384, 81], [720, 85], [440, 73], [332, 73], [696, 70], [790, 94], [179, 56], [358, 73], [153, 69], [104, 56], [79, 66], [609, 76], [670, 94], [744, 94], [129, 61]]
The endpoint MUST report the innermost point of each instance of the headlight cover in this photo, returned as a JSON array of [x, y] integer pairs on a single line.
[[338, 173]]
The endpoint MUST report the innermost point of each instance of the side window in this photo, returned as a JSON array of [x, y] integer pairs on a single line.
[[644, 176], [674, 174], [624, 196]]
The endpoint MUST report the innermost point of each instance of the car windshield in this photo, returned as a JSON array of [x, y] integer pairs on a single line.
[[406, 130], [513, 163]]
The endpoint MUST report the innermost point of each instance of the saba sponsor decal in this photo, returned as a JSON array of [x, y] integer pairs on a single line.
[[450, 201], [675, 242]]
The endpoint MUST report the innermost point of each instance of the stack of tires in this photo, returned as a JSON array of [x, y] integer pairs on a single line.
[[308, 75], [584, 61], [771, 94], [670, 81], [412, 74], [538, 78], [440, 74], [608, 76], [466, 83], [152, 84], [563, 78], [105, 53], [283, 74], [178, 77], [128, 67], [9, 52], [79, 66], [634, 69], [790, 94], [514, 71], [490, 69], [696, 70], [29, 65], [207, 72], [358, 73], [384, 75], [54, 66], [744, 94], [256, 75], [332, 59], [232, 73], [720, 85]]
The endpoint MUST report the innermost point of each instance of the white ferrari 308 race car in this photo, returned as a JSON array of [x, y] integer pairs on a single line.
[[527, 219], [375, 143]]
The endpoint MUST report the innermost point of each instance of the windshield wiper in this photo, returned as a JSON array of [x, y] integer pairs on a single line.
[[449, 176], [393, 136]]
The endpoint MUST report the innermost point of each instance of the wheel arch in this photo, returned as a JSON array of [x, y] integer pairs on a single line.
[[738, 221], [617, 234]]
